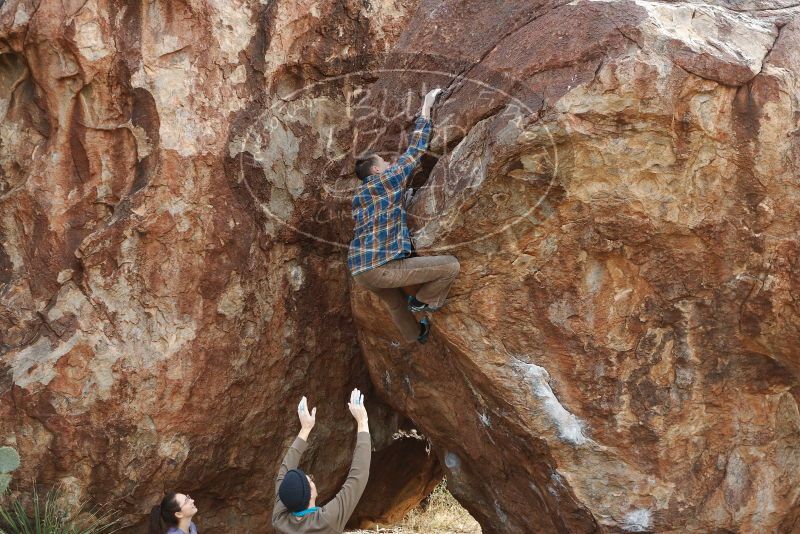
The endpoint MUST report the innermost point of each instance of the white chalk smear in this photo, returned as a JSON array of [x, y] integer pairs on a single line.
[[570, 428], [638, 520]]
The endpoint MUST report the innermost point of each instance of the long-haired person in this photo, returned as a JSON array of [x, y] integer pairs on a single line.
[[174, 515]]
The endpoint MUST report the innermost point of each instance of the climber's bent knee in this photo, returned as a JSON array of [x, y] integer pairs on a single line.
[[454, 266]]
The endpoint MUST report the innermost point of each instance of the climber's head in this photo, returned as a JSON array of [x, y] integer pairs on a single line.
[[173, 508], [370, 164], [297, 491]]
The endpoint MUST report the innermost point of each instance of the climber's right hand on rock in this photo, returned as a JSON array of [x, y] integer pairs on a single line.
[[307, 419], [358, 410], [430, 98]]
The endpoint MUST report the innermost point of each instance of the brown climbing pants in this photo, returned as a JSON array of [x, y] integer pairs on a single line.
[[435, 273]]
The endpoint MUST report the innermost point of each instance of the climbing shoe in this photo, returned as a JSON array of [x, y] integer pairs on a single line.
[[416, 306], [424, 330]]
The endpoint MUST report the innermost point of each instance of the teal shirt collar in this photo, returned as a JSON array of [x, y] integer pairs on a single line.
[[306, 511]]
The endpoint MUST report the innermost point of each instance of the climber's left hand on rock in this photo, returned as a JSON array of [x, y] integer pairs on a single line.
[[428, 102]]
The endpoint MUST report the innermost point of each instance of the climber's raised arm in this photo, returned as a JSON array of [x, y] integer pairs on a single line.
[[417, 143], [337, 512], [298, 447]]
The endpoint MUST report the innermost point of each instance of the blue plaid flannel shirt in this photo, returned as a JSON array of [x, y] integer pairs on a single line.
[[381, 232]]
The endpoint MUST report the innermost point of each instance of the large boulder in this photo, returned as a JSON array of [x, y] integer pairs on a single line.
[[158, 322], [619, 181]]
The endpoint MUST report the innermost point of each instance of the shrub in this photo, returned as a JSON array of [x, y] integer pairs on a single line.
[[48, 516]]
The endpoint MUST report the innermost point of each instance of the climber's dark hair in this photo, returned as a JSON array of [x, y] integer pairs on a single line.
[[364, 165], [163, 516]]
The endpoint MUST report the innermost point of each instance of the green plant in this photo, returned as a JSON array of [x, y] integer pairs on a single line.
[[48, 516], [9, 461]]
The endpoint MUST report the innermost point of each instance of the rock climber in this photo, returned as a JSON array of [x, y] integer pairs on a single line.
[[174, 515], [380, 258], [296, 509]]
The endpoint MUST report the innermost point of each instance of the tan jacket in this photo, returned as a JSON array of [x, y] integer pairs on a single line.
[[332, 517]]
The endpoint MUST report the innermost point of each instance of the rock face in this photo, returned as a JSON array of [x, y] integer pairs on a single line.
[[619, 182], [157, 326]]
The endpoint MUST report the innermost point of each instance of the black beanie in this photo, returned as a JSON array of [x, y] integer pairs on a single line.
[[295, 491]]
